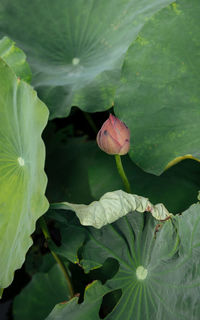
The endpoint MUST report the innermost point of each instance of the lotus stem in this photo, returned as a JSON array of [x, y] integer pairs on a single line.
[[122, 173], [47, 236]]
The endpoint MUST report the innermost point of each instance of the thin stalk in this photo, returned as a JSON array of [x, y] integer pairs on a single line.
[[122, 173], [47, 236]]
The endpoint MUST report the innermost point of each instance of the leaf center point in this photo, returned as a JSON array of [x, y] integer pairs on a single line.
[[21, 161], [75, 61], [141, 273]]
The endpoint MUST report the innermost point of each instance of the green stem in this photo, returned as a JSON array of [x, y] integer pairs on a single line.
[[47, 236], [122, 173]]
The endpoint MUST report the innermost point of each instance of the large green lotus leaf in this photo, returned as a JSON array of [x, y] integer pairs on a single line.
[[176, 188], [112, 206], [22, 179], [159, 97], [15, 58], [76, 48], [39, 297], [159, 276], [88, 310]]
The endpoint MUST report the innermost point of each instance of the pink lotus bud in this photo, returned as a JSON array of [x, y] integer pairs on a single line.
[[114, 136]]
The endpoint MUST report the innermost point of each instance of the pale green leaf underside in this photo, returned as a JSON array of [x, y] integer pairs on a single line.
[[159, 96], [112, 206], [76, 48], [22, 179], [15, 58]]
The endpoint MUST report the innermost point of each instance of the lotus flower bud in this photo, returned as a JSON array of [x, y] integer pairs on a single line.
[[114, 136]]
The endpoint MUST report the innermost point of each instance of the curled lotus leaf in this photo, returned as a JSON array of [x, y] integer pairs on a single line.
[[111, 207]]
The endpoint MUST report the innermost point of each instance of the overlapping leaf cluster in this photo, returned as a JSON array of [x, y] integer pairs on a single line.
[[141, 58]]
